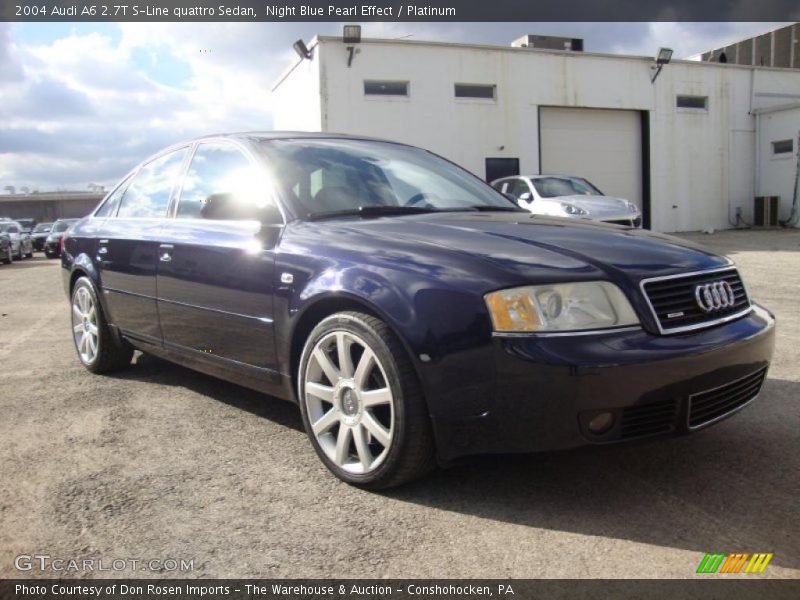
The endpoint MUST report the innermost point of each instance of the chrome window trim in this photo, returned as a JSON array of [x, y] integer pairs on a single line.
[[696, 326], [730, 412]]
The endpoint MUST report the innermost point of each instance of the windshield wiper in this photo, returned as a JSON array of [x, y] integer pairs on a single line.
[[370, 211]]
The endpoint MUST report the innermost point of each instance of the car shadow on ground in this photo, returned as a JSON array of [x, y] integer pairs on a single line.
[[155, 370], [729, 488]]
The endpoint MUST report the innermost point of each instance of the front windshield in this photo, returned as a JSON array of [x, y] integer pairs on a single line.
[[43, 227], [321, 176], [553, 187], [4, 228]]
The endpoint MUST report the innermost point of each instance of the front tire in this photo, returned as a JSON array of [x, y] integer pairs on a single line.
[[362, 404], [9, 257], [97, 348]]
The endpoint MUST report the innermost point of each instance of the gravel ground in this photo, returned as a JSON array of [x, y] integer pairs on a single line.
[[162, 462]]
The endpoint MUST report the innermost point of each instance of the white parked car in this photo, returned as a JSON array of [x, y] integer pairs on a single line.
[[567, 196]]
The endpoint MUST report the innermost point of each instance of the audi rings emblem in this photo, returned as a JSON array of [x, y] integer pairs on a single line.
[[714, 296]]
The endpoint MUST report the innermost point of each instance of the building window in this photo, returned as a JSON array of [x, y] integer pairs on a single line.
[[696, 102], [474, 90], [782, 147], [386, 88]]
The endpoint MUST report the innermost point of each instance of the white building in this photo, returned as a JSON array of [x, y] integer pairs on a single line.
[[692, 148]]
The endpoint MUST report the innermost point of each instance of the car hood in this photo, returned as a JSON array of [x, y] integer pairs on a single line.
[[529, 247], [598, 206]]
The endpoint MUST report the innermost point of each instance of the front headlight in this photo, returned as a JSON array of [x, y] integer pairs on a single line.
[[571, 209], [632, 207], [560, 307]]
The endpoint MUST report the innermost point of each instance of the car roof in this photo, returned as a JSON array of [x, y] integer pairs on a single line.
[[289, 135]]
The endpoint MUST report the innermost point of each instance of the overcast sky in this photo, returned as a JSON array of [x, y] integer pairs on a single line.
[[84, 103]]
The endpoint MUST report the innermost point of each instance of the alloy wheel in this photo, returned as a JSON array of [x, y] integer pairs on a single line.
[[84, 325], [350, 405]]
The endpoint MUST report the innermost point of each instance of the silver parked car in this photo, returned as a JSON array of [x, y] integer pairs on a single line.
[[20, 242], [568, 196]]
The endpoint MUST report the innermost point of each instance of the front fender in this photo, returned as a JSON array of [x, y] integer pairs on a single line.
[[446, 331]]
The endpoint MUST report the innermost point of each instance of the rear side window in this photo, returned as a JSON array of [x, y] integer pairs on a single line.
[[109, 207], [219, 180], [149, 191]]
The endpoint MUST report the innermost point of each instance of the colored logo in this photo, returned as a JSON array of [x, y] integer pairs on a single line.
[[735, 562]]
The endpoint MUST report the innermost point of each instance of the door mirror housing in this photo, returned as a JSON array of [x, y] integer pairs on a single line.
[[526, 197]]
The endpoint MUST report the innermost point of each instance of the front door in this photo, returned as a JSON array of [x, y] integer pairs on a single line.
[[216, 263]]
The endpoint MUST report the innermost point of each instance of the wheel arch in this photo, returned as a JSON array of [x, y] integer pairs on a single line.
[[326, 305]]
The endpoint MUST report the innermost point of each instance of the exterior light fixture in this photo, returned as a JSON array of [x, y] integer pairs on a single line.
[[351, 35], [302, 50], [663, 57]]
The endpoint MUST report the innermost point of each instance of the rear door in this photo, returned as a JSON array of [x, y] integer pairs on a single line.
[[216, 261], [127, 246]]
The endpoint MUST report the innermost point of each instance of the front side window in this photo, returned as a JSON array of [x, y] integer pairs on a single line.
[[221, 184], [149, 191], [324, 176], [518, 187]]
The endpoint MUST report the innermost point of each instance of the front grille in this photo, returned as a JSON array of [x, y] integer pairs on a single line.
[[648, 419], [675, 307], [626, 222], [706, 407]]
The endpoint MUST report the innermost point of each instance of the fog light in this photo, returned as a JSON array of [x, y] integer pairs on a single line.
[[601, 423]]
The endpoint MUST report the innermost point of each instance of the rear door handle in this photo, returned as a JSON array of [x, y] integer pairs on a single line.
[[165, 252]]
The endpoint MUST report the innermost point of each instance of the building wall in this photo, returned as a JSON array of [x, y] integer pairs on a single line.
[[297, 105], [48, 208], [701, 161]]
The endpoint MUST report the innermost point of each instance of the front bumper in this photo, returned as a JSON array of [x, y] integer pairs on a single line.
[[627, 220], [548, 389]]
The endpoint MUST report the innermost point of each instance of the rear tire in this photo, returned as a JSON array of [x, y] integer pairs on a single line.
[[362, 405], [98, 350]]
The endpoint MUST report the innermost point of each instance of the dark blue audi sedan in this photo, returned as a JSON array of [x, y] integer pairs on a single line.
[[414, 313]]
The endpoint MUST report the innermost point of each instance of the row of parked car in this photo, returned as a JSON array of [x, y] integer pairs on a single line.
[[22, 237]]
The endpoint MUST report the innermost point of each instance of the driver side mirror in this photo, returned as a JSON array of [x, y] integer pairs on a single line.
[[526, 197]]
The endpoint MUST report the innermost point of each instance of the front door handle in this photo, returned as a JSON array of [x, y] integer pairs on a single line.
[[165, 252]]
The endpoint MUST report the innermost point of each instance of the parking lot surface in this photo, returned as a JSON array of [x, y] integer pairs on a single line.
[[160, 462]]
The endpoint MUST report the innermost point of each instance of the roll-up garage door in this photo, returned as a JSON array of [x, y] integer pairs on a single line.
[[604, 146]]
